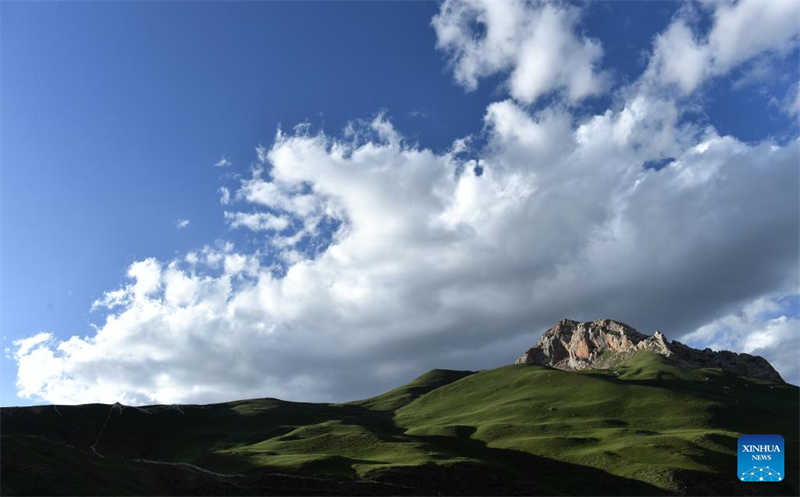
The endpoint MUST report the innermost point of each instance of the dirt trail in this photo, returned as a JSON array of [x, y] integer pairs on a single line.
[[190, 466], [93, 447]]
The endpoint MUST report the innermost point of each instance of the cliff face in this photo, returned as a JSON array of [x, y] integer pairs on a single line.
[[572, 345]]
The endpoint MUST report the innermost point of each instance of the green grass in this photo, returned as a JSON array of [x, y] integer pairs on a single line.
[[397, 398], [646, 426]]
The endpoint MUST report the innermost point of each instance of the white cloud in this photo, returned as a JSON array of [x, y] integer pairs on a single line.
[[739, 32], [180, 289], [224, 195], [111, 299], [679, 58], [733, 38], [26, 345], [435, 266], [223, 162], [182, 223], [147, 274], [256, 221], [537, 42]]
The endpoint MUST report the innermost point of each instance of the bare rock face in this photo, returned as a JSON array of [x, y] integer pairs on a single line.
[[572, 345]]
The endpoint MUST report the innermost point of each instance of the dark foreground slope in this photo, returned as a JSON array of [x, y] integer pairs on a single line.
[[645, 427]]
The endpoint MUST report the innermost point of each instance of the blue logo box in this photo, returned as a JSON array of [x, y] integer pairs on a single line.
[[761, 458]]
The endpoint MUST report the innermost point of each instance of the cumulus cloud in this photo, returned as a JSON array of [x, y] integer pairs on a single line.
[[433, 265], [536, 42], [382, 259], [739, 32], [182, 223]]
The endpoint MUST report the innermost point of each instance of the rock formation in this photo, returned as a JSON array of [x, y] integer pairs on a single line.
[[572, 345]]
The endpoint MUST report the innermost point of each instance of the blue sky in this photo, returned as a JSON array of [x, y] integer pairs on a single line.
[[113, 116]]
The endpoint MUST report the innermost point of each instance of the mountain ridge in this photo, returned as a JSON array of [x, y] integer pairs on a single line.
[[574, 345]]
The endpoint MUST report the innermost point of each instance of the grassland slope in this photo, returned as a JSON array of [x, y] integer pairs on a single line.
[[646, 426]]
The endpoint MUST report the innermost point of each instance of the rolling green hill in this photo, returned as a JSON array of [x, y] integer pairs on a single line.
[[646, 427]]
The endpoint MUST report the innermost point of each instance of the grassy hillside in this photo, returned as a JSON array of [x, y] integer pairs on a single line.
[[647, 420], [645, 427]]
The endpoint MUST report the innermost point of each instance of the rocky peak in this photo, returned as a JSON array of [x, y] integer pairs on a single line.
[[574, 345]]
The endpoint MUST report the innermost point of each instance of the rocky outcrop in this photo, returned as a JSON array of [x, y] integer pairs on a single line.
[[572, 345]]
